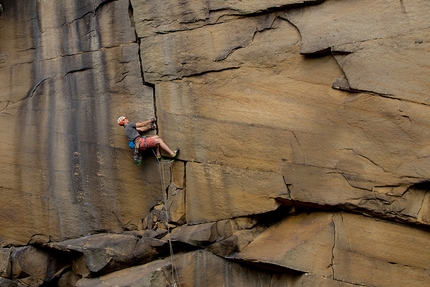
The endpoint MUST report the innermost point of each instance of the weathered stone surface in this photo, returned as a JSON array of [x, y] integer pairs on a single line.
[[230, 45], [311, 280], [156, 17], [302, 243], [215, 192], [199, 235], [258, 124], [380, 253], [73, 168], [217, 271], [68, 279], [149, 249], [178, 174], [35, 266], [347, 248], [333, 23], [389, 66], [146, 276], [5, 262], [199, 268], [175, 205], [103, 252], [227, 247], [7, 283]]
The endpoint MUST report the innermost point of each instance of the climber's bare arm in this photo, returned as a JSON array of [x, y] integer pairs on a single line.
[[145, 125]]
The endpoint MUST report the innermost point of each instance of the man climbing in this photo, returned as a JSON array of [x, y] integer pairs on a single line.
[[141, 143]]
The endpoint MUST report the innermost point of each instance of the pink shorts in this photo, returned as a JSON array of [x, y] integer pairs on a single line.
[[146, 142]]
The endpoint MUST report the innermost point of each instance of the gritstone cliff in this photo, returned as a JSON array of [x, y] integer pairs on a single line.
[[303, 128]]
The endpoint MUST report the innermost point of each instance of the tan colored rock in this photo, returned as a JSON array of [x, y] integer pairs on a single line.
[[226, 228], [102, 252], [424, 213], [389, 66], [255, 6], [79, 266], [229, 246], [302, 243], [178, 173], [310, 280], [68, 279], [175, 205], [258, 125], [5, 263], [199, 235], [155, 17], [7, 283], [146, 276], [149, 249], [35, 266], [212, 45], [332, 23], [345, 247], [199, 268], [65, 97], [216, 192], [372, 252]]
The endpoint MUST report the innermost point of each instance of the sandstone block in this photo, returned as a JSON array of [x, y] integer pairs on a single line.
[[70, 162], [388, 66], [308, 279], [199, 235], [5, 262], [226, 228], [175, 205], [216, 192], [198, 268], [154, 18], [213, 45], [302, 243], [149, 249], [7, 283], [328, 24], [217, 271], [372, 252], [35, 266], [142, 275], [68, 279], [229, 246], [80, 267], [178, 173], [255, 6], [346, 248], [102, 252]]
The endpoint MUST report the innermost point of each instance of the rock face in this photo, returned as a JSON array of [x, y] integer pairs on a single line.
[[303, 133]]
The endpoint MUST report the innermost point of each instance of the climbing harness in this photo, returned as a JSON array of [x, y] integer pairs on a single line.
[[165, 169]]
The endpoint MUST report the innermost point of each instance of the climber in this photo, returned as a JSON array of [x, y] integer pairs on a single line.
[[132, 131]]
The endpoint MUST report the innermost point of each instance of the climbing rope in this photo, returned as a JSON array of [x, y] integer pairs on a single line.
[[165, 169]]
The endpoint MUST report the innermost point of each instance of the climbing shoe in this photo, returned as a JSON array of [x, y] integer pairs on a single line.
[[175, 153], [153, 120], [153, 126]]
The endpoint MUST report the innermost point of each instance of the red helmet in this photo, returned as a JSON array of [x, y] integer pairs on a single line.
[[121, 120]]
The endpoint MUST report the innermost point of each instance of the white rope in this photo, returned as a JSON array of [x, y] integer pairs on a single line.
[[162, 169]]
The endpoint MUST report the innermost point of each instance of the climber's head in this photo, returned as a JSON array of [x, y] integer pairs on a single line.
[[122, 121]]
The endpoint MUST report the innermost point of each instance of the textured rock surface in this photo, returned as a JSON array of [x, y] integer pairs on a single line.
[[345, 247], [294, 117]]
